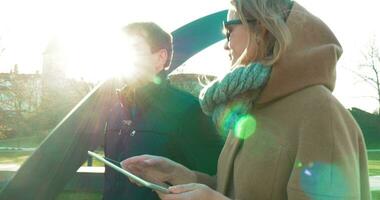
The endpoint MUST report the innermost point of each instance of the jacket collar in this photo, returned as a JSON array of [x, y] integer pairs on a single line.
[[153, 91]]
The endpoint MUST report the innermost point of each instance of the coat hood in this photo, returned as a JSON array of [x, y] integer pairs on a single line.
[[310, 58]]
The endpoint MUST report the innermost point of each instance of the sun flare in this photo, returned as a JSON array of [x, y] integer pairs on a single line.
[[97, 57]]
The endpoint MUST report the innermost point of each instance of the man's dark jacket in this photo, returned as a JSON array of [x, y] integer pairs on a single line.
[[163, 121]]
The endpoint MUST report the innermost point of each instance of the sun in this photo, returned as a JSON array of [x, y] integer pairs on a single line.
[[96, 55]]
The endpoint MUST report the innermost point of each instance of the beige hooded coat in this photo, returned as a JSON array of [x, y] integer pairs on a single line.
[[306, 144]]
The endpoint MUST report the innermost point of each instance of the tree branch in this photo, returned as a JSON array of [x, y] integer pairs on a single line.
[[371, 81]]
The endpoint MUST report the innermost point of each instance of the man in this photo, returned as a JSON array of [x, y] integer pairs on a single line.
[[152, 117]]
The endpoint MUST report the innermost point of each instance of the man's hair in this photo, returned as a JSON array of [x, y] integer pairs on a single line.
[[154, 35]]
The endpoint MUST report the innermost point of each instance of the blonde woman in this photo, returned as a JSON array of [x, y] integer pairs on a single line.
[[288, 137]]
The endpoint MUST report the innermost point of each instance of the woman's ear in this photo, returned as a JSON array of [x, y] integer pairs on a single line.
[[260, 40], [262, 31]]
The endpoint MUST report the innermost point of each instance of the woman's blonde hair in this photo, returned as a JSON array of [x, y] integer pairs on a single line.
[[271, 15]]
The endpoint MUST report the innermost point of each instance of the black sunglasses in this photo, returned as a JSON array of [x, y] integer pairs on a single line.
[[227, 24]]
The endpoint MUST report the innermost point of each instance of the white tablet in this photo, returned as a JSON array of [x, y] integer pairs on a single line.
[[153, 186]]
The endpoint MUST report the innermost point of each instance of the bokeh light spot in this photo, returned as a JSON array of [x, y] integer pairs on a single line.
[[307, 172], [324, 178], [245, 127], [299, 164], [157, 80]]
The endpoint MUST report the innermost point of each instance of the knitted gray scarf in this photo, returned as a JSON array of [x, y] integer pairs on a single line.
[[226, 100]]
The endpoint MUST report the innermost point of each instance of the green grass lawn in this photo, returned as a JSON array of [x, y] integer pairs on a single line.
[[27, 142], [13, 157], [374, 167], [19, 157], [33, 141], [376, 195]]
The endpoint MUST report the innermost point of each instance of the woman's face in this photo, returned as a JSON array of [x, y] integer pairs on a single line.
[[238, 38]]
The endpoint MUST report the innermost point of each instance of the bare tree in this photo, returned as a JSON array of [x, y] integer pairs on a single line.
[[18, 100], [369, 71]]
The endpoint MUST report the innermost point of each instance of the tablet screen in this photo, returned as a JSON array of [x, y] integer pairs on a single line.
[[153, 186]]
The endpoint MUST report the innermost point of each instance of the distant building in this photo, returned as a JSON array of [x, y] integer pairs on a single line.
[[53, 67], [20, 92], [25, 92]]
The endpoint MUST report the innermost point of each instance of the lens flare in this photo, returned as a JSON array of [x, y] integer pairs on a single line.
[[157, 80], [323, 178], [228, 118], [299, 164], [245, 127], [235, 118]]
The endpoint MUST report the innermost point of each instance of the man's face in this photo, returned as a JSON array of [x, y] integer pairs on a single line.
[[144, 60], [145, 63]]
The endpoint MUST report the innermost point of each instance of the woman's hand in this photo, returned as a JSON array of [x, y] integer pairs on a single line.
[[192, 191], [159, 170]]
